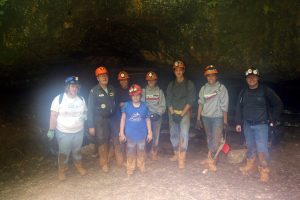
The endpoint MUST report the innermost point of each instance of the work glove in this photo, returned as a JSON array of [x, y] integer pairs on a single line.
[[51, 134], [176, 118], [199, 124]]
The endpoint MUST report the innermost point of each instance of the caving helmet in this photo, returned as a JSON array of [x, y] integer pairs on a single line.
[[179, 64], [252, 71], [135, 89], [72, 80], [123, 75], [101, 70], [210, 69], [151, 76]]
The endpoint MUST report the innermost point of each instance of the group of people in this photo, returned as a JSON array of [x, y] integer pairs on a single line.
[[127, 119]]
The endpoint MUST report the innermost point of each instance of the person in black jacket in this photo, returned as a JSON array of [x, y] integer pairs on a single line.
[[101, 111], [257, 106]]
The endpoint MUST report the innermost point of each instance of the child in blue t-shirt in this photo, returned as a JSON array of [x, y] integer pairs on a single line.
[[135, 124]]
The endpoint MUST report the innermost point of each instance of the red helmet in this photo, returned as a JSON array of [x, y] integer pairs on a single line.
[[179, 64], [210, 69], [123, 75], [151, 76], [135, 89], [101, 70]]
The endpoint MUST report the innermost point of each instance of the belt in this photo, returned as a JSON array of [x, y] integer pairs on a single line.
[[177, 112], [252, 122]]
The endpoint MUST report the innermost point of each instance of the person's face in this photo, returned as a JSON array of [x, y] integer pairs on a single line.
[[178, 71], [73, 89], [136, 98], [211, 79], [152, 83], [103, 79], [124, 83], [252, 81]]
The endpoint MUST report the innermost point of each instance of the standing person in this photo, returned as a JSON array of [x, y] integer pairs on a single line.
[[101, 109], [122, 98], [181, 95], [68, 113], [213, 107], [135, 127], [257, 106], [155, 100]]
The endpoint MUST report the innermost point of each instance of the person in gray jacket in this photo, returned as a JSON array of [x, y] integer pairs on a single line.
[[213, 107], [156, 102]]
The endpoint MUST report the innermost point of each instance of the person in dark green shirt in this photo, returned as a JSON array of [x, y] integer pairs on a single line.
[[181, 95]]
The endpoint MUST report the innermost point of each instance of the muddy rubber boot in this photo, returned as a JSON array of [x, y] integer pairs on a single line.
[[62, 167], [211, 164], [103, 157], [131, 159], [141, 161], [263, 168], [111, 152], [79, 167], [264, 174], [181, 160], [174, 158], [250, 166]]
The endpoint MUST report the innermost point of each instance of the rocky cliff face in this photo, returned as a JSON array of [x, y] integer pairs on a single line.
[[231, 34]]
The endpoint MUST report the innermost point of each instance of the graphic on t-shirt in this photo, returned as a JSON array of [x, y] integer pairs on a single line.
[[135, 117], [210, 96]]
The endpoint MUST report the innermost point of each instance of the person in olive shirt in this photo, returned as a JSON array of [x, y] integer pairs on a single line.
[[181, 95], [257, 106], [101, 109]]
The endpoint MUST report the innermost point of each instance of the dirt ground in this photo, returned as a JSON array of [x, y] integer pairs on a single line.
[[35, 176]]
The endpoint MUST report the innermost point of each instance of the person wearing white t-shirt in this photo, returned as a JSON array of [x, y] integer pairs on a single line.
[[68, 113]]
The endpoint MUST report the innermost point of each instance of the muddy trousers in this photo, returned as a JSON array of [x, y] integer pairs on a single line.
[[135, 156], [179, 133], [103, 157], [155, 126]]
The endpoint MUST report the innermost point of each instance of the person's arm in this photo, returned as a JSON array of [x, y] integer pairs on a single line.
[[191, 98], [149, 135], [169, 99], [238, 112], [90, 114], [53, 119], [198, 122], [224, 102], [122, 136], [162, 102], [276, 105]]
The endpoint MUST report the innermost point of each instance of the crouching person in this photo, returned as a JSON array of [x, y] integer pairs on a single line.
[[68, 112], [135, 127]]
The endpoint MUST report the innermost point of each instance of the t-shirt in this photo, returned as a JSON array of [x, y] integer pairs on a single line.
[[135, 122], [71, 113]]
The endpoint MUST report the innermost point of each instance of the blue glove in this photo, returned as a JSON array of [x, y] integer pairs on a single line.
[[51, 134]]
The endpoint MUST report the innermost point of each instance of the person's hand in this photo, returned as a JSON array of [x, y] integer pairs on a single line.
[[92, 131], [198, 124], [238, 128], [50, 134], [122, 137], [149, 137], [176, 118]]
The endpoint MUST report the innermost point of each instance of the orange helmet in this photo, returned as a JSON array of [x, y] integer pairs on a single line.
[[151, 76], [179, 64], [101, 70], [210, 69], [135, 89], [123, 75]]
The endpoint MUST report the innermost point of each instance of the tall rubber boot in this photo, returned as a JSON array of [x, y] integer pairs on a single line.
[[141, 160], [181, 160], [263, 168], [62, 167], [174, 158], [111, 152], [103, 157], [131, 159], [211, 164], [250, 166], [79, 167]]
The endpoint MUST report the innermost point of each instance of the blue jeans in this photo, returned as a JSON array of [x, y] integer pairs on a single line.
[[213, 128], [256, 139], [179, 133], [70, 142]]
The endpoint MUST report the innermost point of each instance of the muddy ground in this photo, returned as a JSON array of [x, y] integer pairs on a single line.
[[29, 172]]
